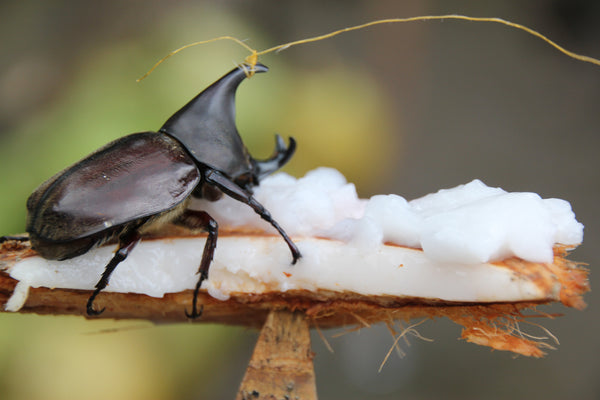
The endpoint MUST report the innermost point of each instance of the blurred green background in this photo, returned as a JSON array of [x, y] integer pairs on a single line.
[[405, 108]]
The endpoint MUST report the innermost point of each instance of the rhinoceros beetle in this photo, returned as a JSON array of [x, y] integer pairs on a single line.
[[143, 180]]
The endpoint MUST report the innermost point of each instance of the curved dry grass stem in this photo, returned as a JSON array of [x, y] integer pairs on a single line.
[[251, 60], [546, 330], [322, 336], [409, 330], [231, 38], [430, 18]]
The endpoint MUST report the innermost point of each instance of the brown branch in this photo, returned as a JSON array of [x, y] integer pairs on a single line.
[[322, 307]]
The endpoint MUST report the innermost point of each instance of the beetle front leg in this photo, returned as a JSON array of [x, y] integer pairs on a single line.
[[126, 244], [230, 188], [196, 220]]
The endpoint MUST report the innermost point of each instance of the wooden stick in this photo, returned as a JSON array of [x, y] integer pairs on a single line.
[[282, 364]]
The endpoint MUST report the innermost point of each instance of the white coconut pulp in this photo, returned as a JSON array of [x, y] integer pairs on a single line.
[[451, 238]]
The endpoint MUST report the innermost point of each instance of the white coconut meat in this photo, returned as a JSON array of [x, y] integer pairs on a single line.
[[442, 246]]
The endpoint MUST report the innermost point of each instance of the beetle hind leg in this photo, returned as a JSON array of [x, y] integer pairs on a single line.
[[126, 244], [200, 220]]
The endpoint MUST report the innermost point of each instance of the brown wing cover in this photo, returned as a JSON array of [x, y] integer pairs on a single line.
[[139, 175]]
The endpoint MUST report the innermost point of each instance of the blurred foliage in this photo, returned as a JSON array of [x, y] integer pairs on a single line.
[[326, 111], [70, 358], [401, 109]]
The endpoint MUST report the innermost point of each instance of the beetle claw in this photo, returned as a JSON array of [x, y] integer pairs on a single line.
[[295, 257], [195, 313], [93, 312]]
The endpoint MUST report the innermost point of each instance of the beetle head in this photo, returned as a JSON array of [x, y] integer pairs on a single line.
[[206, 126]]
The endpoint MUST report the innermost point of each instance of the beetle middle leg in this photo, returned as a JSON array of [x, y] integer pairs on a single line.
[[231, 189], [126, 244], [200, 220]]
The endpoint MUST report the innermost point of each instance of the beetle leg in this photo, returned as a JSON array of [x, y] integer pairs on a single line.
[[195, 220], [126, 244], [229, 187]]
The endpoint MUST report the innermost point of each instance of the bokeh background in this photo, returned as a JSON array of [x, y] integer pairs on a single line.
[[404, 108]]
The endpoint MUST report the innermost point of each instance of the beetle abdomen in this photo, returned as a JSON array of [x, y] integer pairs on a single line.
[[134, 177], [62, 251]]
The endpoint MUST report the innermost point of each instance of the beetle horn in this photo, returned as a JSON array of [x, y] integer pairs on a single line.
[[280, 156], [206, 125]]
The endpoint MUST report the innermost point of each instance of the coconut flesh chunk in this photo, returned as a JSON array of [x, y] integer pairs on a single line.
[[259, 264], [471, 244]]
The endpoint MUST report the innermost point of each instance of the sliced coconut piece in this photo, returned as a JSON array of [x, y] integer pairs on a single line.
[[261, 264]]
